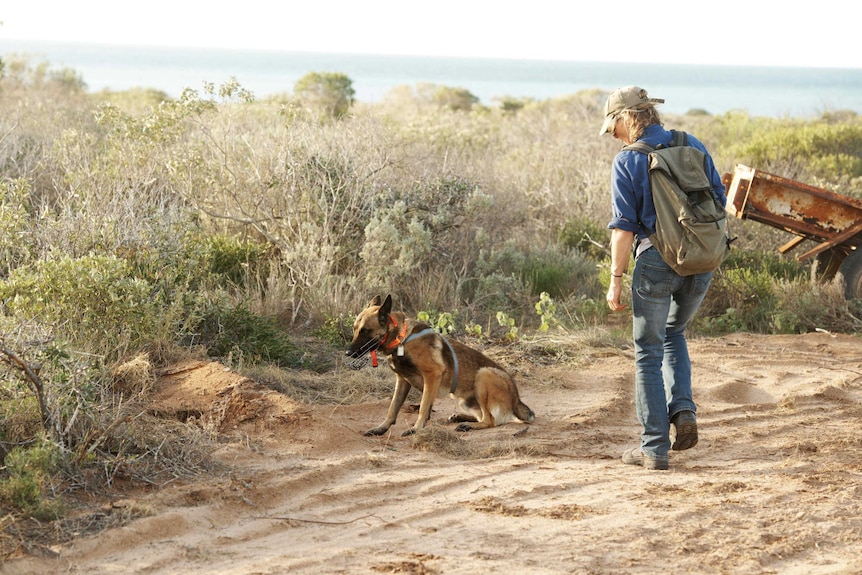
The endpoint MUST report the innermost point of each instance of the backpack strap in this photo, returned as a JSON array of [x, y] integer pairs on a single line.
[[641, 147], [679, 139]]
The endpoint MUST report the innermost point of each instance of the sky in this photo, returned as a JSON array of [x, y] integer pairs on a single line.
[[725, 32]]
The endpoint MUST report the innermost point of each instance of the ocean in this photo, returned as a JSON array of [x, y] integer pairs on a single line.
[[759, 91]]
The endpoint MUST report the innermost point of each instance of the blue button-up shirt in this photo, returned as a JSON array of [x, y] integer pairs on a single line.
[[633, 209]]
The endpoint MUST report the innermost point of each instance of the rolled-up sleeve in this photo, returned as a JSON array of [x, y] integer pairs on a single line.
[[629, 182]]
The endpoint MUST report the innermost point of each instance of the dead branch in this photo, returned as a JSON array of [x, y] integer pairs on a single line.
[[32, 376]]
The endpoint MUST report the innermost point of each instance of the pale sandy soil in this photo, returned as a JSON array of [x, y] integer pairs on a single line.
[[774, 486]]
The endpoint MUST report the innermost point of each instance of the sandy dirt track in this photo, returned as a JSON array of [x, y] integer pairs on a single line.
[[774, 486]]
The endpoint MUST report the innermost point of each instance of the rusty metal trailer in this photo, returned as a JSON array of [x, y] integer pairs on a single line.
[[832, 221]]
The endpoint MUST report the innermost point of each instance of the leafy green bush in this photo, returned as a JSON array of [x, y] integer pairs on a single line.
[[496, 291], [30, 472], [441, 321], [745, 292], [337, 331], [329, 92], [14, 220], [767, 293], [811, 151], [234, 259], [234, 331], [585, 235], [419, 242], [739, 299], [95, 299], [772, 263], [19, 412], [457, 99], [559, 272]]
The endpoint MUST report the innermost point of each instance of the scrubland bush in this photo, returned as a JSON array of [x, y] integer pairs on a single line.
[[97, 300], [327, 93], [767, 293], [825, 152], [218, 225], [28, 484]]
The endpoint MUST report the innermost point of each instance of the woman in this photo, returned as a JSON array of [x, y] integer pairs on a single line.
[[663, 302]]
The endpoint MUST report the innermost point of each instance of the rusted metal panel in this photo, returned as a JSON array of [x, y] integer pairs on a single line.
[[810, 212]]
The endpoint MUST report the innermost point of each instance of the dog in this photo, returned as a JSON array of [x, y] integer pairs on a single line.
[[484, 392]]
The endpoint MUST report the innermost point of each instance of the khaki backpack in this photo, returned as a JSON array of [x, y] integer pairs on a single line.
[[691, 225]]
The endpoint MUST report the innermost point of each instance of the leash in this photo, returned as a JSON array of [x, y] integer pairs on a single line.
[[400, 340]]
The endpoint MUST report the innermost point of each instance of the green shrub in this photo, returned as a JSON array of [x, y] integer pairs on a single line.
[[586, 236], [511, 104], [234, 259], [762, 301], [236, 332], [442, 322], [739, 299], [14, 220], [45, 388], [30, 472], [456, 99], [420, 243], [770, 263], [336, 331], [803, 306], [331, 93], [795, 148], [546, 309], [745, 292], [19, 412], [559, 272], [496, 291], [94, 300]]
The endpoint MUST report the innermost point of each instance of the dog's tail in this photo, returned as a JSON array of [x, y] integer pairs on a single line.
[[524, 413]]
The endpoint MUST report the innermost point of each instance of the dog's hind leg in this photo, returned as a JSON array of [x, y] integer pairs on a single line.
[[480, 412], [492, 403], [468, 409], [462, 417], [402, 388]]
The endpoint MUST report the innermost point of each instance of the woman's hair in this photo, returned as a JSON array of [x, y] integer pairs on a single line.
[[638, 119]]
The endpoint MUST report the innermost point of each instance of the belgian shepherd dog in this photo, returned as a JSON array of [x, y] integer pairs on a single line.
[[484, 392]]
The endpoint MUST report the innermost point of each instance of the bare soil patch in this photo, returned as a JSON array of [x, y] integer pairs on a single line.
[[774, 486]]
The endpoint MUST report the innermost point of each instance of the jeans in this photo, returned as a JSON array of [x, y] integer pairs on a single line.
[[663, 303]]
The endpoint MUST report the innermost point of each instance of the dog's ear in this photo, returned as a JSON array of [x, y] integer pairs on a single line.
[[385, 310], [374, 301]]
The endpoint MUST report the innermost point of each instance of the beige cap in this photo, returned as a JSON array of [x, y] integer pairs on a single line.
[[628, 98]]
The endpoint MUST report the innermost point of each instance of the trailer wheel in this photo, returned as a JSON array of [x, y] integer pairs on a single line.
[[851, 269]]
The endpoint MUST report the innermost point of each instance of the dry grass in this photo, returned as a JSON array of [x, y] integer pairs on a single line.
[[20, 535], [134, 377]]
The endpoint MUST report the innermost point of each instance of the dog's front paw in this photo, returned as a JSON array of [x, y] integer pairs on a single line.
[[464, 427], [375, 431], [410, 431]]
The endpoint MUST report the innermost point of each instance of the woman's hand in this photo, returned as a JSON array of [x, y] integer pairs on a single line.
[[614, 293]]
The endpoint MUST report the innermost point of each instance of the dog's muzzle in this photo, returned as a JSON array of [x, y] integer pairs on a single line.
[[359, 356], [356, 363], [357, 351]]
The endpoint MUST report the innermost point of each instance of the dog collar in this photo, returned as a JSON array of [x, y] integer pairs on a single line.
[[399, 339]]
